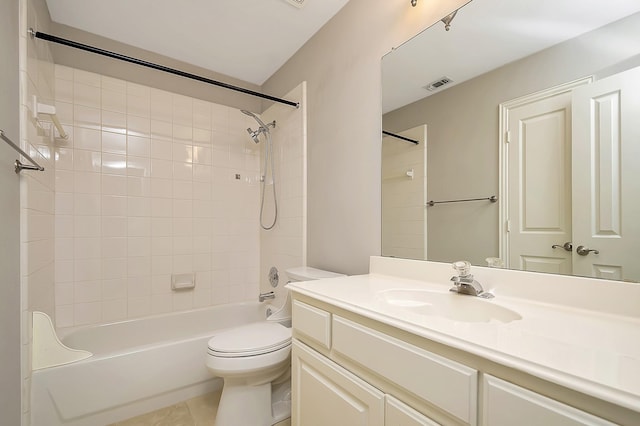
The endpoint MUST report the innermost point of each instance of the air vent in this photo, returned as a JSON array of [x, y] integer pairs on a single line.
[[438, 84], [296, 3]]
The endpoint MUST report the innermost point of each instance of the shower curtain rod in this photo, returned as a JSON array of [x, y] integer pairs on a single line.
[[393, 135], [92, 49]]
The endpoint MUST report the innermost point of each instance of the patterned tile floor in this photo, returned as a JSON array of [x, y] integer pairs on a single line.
[[199, 411]]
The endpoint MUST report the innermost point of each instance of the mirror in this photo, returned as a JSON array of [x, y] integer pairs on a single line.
[[527, 102]]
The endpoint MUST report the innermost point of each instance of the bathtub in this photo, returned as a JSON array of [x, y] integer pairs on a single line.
[[137, 366]]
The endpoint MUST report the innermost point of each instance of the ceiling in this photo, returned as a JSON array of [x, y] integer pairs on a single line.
[[249, 39], [476, 43]]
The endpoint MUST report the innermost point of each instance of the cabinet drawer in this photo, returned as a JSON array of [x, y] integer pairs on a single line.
[[313, 323], [506, 404], [444, 383]]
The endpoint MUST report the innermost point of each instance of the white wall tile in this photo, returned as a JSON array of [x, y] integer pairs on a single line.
[[113, 84], [86, 77], [84, 94], [113, 101], [138, 126], [114, 122], [114, 226], [114, 289], [86, 117], [115, 164], [138, 105], [137, 189], [87, 161], [161, 105], [161, 149], [138, 166], [114, 310], [182, 153], [87, 138], [113, 247], [87, 313]]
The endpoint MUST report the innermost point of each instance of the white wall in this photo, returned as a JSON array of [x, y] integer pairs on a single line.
[[341, 65]]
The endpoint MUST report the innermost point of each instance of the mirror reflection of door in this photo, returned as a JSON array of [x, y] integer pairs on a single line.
[[537, 145], [606, 177], [404, 195], [577, 139]]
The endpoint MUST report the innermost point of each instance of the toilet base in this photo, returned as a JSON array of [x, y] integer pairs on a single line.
[[259, 405]]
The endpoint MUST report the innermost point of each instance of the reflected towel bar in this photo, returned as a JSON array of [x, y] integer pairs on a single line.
[[18, 164], [493, 199]]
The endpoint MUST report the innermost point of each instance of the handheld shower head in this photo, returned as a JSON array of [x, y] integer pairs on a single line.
[[263, 127]]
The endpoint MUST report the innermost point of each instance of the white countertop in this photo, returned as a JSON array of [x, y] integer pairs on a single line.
[[596, 353]]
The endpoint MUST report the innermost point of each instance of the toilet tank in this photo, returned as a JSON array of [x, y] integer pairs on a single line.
[[307, 273]]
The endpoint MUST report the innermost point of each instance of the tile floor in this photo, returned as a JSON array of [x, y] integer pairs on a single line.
[[199, 411]]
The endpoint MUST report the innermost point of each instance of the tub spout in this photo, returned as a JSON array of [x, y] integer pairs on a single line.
[[264, 296]]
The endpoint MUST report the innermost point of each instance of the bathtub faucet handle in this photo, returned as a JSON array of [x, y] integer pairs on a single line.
[[264, 296]]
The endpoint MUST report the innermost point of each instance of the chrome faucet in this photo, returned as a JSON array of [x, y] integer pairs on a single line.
[[264, 296], [464, 283]]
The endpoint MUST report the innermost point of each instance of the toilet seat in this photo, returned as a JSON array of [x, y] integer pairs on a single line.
[[250, 340]]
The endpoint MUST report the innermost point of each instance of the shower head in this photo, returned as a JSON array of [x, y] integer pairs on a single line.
[[260, 122], [255, 117]]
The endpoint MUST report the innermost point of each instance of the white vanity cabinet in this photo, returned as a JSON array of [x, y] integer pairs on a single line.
[[327, 393], [349, 371]]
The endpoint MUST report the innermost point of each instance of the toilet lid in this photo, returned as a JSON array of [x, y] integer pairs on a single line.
[[251, 339]]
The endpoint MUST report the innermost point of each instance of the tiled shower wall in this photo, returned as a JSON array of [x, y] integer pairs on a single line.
[[404, 211], [36, 188], [150, 184], [285, 246]]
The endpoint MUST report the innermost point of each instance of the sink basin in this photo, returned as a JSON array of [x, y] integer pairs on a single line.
[[449, 305]]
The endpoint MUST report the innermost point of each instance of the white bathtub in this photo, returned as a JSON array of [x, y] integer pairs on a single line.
[[138, 366]]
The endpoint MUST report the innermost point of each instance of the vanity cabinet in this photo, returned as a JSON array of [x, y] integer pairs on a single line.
[[506, 404], [327, 393], [349, 371]]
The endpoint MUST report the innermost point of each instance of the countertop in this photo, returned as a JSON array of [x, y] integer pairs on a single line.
[[592, 352]]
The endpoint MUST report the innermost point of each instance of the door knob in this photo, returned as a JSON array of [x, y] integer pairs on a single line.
[[583, 251], [567, 246]]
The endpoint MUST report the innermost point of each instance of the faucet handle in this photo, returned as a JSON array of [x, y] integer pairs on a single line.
[[463, 267]]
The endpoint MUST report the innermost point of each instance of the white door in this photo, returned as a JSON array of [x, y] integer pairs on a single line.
[[538, 184], [606, 178]]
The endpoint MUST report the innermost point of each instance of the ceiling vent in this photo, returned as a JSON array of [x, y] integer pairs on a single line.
[[296, 3], [438, 84]]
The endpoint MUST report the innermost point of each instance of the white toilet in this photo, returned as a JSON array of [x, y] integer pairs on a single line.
[[254, 360]]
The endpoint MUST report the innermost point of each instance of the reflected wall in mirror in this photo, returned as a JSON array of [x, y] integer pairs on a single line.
[[539, 111]]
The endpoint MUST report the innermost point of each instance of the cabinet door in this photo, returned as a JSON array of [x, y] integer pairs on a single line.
[[506, 404], [327, 394], [398, 413]]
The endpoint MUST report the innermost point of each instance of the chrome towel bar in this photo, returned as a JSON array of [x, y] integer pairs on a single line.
[[18, 164], [493, 199]]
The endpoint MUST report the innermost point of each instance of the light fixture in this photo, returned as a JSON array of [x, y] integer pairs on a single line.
[[414, 2], [447, 20]]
